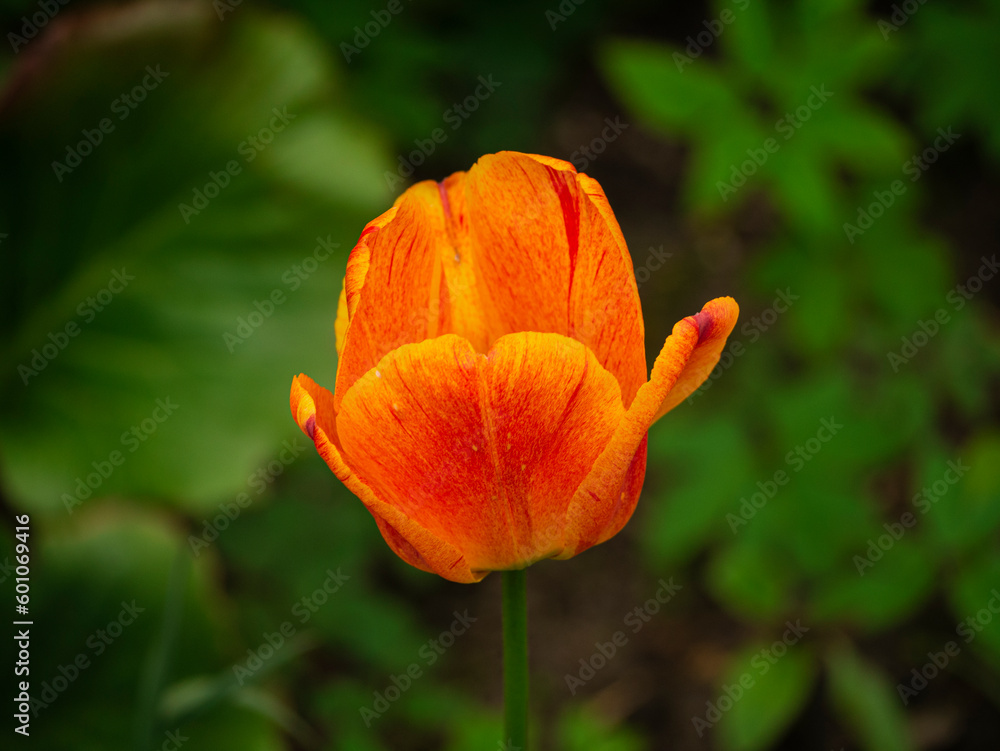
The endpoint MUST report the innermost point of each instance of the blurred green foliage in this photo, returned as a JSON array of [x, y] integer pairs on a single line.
[[813, 480], [863, 295]]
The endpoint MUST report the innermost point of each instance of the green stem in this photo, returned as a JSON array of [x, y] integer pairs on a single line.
[[515, 660]]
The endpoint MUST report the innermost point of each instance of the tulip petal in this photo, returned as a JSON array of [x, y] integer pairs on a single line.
[[406, 281], [312, 407], [340, 326], [461, 306], [715, 323], [483, 452], [686, 360], [550, 257], [519, 243]]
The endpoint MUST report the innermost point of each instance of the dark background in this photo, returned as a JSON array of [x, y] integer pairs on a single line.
[[727, 179]]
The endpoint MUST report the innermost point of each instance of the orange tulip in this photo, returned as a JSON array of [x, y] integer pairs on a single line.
[[491, 401]]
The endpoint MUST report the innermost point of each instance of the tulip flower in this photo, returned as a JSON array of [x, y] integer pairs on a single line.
[[491, 402]]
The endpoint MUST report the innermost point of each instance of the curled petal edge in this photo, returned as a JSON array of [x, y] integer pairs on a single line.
[[312, 407], [687, 358]]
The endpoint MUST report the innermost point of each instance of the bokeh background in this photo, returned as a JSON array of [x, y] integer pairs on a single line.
[[181, 184]]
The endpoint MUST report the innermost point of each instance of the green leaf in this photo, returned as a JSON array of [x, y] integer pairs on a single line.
[[336, 533], [903, 268], [957, 495], [192, 697], [224, 305], [866, 140], [804, 188], [338, 705], [949, 49], [752, 580], [274, 709], [691, 506], [817, 522], [780, 685], [581, 729], [113, 562], [866, 702], [161, 654], [975, 600], [684, 99], [722, 162], [750, 37], [876, 588], [824, 316]]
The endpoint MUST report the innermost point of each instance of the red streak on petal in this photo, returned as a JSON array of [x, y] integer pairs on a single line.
[[571, 218], [444, 200], [311, 426], [704, 321]]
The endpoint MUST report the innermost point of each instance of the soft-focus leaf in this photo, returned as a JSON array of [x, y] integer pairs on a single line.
[[975, 602], [225, 304], [780, 680], [866, 702], [650, 79], [880, 584], [751, 580], [584, 730], [694, 500]]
